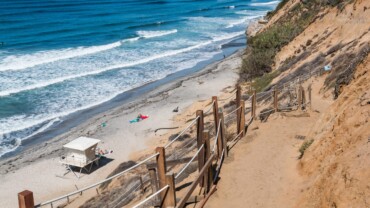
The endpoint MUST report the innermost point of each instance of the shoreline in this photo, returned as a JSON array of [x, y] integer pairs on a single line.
[[125, 139], [128, 98]]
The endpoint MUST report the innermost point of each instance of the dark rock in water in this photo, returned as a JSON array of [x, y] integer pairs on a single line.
[[265, 113]]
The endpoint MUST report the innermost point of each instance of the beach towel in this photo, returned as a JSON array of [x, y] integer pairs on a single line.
[[139, 118]]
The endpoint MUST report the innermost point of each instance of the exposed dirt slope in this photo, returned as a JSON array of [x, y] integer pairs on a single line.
[[338, 162], [334, 38], [264, 171]]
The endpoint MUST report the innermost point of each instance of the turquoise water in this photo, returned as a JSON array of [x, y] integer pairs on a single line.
[[60, 57]]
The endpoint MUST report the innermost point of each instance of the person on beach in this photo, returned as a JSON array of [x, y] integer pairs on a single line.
[[139, 117]]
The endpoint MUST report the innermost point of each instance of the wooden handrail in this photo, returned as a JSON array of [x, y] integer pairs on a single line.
[[195, 182]]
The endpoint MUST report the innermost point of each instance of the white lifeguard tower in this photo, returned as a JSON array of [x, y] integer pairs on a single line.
[[81, 153]]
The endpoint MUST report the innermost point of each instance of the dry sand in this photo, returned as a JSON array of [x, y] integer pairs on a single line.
[[37, 169], [261, 170]]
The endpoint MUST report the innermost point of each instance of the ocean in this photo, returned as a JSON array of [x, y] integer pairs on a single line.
[[60, 57]]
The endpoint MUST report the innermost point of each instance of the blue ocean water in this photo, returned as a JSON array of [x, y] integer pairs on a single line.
[[58, 57]]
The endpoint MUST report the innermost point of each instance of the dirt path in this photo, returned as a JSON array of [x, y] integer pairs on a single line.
[[261, 170]]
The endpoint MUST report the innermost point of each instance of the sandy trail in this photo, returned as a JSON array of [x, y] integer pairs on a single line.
[[261, 170]]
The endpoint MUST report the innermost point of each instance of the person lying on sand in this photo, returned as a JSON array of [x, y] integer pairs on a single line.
[[139, 118]]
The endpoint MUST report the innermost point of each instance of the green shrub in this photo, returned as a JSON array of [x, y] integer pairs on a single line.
[[278, 7], [263, 47], [304, 147], [260, 83]]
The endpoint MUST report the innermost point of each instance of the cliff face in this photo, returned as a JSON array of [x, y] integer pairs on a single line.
[[338, 162], [337, 165], [337, 37]]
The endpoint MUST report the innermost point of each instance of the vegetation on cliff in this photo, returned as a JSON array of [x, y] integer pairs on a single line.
[[259, 57]]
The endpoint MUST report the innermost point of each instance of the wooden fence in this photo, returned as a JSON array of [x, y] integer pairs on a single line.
[[210, 152]]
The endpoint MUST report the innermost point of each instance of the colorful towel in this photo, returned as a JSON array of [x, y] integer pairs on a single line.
[[139, 118]]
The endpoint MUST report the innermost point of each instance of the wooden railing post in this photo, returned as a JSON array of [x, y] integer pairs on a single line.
[[153, 180], [223, 132], [216, 118], [25, 199], [238, 99], [141, 185], [309, 95], [161, 169], [276, 100], [192, 187], [200, 128], [254, 104], [207, 180], [291, 99], [304, 100], [219, 138], [170, 199], [300, 97], [242, 119]]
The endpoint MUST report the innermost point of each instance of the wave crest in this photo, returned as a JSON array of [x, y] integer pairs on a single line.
[[265, 3], [152, 34], [122, 65], [30, 60]]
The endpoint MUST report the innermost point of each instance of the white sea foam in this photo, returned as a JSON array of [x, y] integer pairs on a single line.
[[152, 34], [20, 62], [250, 12], [10, 148], [241, 21], [265, 3], [14, 62], [25, 123], [117, 66], [217, 20], [130, 40]]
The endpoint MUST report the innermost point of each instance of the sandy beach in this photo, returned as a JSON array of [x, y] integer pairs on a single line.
[[38, 169]]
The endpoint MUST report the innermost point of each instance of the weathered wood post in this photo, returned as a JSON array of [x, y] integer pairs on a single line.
[[25, 199], [290, 96], [162, 169], [200, 128], [207, 179], [170, 200], [216, 118], [309, 95], [153, 180], [238, 99], [242, 119], [254, 104], [223, 133], [142, 188], [275, 99], [219, 137], [300, 97], [304, 101]]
